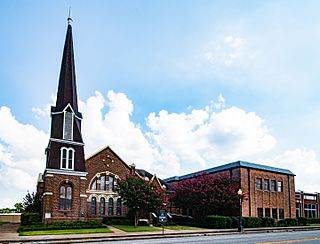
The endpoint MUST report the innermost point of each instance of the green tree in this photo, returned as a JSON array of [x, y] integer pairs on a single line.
[[18, 206], [31, 203], [138, 196]]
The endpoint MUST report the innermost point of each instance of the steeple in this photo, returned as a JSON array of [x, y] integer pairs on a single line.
[[67, 90]]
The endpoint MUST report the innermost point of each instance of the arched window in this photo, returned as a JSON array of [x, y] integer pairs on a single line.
[[65, 197], [68, 126], [93, 205], [118, 213], [67, 158], [102, 206], [110, 207]]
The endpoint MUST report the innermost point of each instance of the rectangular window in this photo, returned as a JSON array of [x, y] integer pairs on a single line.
[[273, 185], [260, 212], [281, 213], [266, 185], [274, 213], [64, 159], [110, 183], [68, 120], [267, 213], [280, 186], [103, 183], [309, 210], [70, 159], [259, 184]]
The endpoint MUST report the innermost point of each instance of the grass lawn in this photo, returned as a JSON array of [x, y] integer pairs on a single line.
[[182, 227], [130, 228], [64, 232]]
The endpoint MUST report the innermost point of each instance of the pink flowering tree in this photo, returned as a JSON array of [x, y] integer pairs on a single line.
[[207, 194], [138, 195]]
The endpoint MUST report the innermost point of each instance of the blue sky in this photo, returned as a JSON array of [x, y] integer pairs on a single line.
[[233, 79]]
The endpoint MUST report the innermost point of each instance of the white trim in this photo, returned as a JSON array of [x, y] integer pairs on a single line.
[[66, 172], [83, 195], [69, 105], [49, 175], [47, 193], [67, 142], [83, 178]]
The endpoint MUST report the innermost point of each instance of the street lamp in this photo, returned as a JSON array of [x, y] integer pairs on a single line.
[[240, 194]]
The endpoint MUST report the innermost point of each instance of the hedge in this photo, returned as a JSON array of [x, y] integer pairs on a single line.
[[268, 222], [63, 225], [116, 220], [313, 221], [30, 219], [218, 222], [252, 222]]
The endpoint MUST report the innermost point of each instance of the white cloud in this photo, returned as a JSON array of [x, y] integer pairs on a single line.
[[21, 157], [302, 162]]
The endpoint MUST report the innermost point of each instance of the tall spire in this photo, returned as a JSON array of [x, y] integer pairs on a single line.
[[67, 90]]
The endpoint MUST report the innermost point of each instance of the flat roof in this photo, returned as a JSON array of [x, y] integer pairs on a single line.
[[236, 164]]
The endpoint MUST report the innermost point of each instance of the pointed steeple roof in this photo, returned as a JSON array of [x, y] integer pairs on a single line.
[[67, 90]]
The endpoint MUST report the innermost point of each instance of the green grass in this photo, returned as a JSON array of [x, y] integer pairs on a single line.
[[1, 223], [130, 228], [64, 232], [182, 227]]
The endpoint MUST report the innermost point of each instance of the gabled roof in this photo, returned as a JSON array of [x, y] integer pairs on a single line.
[[143, 173], [236, 164], [67, 90]]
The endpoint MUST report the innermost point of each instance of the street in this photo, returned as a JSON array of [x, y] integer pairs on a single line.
[[258, 238]]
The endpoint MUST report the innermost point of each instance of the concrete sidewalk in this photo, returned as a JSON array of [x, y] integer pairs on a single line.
[[8, 234]]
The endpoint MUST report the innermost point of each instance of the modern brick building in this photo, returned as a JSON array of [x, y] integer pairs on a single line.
[[267, 191], [307, 204]]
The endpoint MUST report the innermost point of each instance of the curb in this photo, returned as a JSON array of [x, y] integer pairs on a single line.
[[142, 235]]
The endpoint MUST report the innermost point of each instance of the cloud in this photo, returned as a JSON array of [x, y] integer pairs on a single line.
[[21, 157], [302, 162]]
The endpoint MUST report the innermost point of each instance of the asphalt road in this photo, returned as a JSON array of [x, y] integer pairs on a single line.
[[257, 238]]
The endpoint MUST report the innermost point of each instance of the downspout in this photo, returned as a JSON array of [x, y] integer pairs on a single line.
[[249, 192]]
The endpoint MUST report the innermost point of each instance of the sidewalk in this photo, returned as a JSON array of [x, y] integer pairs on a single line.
[[8, 234]]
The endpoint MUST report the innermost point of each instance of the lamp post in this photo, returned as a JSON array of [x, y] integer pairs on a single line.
[[240, 194]]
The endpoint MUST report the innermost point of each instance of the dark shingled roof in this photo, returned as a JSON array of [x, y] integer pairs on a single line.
[[144, 173], [231, 166], [67, 91]]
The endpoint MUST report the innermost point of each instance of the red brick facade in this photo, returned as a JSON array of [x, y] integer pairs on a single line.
[[307, 204]]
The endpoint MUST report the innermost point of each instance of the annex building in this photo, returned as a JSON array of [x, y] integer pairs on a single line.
[[74, 188]]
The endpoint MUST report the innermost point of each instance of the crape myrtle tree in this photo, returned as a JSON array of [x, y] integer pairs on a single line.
[[138, 195], [207, 194]]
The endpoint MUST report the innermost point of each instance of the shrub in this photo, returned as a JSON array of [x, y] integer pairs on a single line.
[[268, 222], [252, 222], [313, 221], [218, 222], [302, 221], [282, 223], [30, 219], [291, 222], [116, 220], [63, 225], [235, 222]]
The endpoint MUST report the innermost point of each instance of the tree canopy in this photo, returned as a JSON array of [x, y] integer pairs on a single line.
[[207, 194]]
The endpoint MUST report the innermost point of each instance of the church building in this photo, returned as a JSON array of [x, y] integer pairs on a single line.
[[72, 188]]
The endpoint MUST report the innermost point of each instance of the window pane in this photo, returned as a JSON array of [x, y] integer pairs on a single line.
[[69, 192], [68, 126], [102, 206], [93, 205], [70, 158], [110, 183], [280, 186], [259, 184], [281, 213], [274, 213], [273, 185], [260, 212], [62, 197], [118, 207], [110, 205], [94, 185], [266, 185], [103, 182], [64, 158], [267, 213]]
